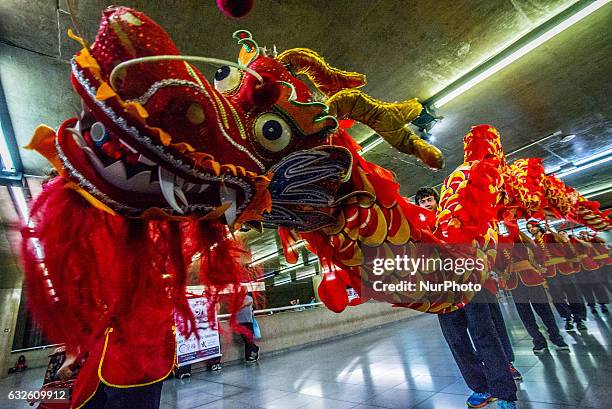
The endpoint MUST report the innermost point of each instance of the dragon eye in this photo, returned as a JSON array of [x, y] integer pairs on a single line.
[[272, 132], [227, 79]]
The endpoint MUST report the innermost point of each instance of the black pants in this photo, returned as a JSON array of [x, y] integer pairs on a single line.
[[528, 299], [494, 376], [182, 370], [566, 297], [593, 286], [250, 348], [500, 325], [142, 397]]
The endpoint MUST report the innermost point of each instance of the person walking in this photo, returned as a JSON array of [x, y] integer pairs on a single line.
[[245, 319]]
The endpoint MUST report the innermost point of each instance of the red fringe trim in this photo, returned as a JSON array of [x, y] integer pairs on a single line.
[[100, 270]]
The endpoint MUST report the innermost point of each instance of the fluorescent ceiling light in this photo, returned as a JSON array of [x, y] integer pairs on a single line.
[[568, 138], [309, 271], [593, 157], [40, 254], [290, 268], [454, 91], [460, 86], [7, 160], [598, 189], [266, 276], [583, 167], [372, 145], [264, 259], [276, 254], [282, 281], [311, 274], [597, 193]]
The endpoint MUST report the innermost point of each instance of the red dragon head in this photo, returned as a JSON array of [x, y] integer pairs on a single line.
[[156, 139]]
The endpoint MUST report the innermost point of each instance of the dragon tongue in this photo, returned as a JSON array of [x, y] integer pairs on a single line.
[[166, 183]]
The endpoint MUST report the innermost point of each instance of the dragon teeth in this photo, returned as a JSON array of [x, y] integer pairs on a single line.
[[194, 187], [228, 194], [181, 195], [124, 143], [94, 159], [77, 137], [141, 179], [146, 161], [166, 184], [116, 171]]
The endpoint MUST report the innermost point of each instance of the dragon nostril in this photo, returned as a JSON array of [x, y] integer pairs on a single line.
[[195, 114]]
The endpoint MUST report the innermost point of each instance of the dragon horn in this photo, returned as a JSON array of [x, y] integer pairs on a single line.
[[327, 79], [389, 120]]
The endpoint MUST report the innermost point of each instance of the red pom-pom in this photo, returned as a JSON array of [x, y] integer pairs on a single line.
[[332, 292], [235, 8], [264, 94]]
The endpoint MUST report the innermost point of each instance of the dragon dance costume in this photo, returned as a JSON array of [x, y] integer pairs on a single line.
[[568, 256], [517, 264], [161, 166]]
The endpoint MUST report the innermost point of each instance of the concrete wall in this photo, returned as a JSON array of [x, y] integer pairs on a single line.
[[10, 295], [288, 330], [9, 301]]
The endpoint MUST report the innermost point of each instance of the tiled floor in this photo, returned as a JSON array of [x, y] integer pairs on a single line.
[[405, 365]]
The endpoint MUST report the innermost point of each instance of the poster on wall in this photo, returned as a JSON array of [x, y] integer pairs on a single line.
[[352, 294], [191, 350]]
